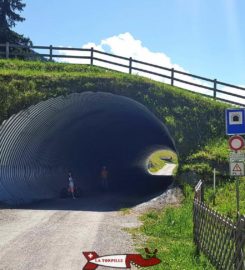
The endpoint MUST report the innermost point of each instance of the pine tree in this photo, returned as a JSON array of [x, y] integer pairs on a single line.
[[8, 18]]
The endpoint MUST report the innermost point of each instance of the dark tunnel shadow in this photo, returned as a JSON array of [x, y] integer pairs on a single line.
[[81, 134], [103, 201]]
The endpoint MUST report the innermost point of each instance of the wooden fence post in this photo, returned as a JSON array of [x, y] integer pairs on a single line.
[[92, 56], [215, 88], [50, 53], [7, 50], [198, 190], [130, 65], [172, 76], [202, 191]]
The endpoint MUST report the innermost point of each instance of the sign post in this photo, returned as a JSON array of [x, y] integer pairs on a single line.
[[235, 125], [237, 198]]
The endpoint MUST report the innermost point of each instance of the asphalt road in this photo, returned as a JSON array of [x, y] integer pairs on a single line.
[[53, 235], [167, 170]]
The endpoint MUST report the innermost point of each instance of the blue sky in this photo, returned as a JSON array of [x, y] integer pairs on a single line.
[[204, 37]]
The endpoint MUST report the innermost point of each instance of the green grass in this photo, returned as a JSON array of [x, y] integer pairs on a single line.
[[191, 118], [214, 155], [196, 124], [225, 201], [171, 232], [159, 158]]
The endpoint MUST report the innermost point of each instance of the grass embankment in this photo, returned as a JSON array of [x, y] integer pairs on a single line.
[[191, 119], [159, 159], [225, 199], [196, 124], [171, 232]]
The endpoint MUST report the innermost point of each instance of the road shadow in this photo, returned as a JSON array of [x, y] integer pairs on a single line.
[[101, 201]]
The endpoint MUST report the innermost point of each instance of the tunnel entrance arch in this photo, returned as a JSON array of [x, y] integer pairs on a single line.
[[81, 133]]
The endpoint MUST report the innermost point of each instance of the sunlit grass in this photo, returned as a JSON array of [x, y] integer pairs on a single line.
[[159, 158], [225, 199], [171, 232]]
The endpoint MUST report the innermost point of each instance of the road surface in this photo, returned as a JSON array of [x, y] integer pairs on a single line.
[[166, 170], [52, 235]]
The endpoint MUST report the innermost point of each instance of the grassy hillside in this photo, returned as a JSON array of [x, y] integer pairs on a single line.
[[193, 120]]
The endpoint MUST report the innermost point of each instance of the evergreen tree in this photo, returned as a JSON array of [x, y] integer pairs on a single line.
[[8, 18]]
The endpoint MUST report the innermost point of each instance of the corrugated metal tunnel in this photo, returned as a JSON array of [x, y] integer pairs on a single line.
[[81, 133]]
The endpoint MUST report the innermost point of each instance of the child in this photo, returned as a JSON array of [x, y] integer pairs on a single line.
[[71, 185]]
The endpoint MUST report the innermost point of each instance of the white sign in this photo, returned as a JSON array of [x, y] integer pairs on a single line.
[[237, 156], [236, 168], [235, 118]]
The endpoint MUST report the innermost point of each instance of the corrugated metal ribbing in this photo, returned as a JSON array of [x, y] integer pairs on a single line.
[[79, 132], [27, 169]]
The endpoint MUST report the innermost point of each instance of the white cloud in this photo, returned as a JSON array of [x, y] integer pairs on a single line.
[[126, 45]]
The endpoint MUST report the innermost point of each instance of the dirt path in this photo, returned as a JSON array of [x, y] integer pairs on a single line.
[[53, 235]]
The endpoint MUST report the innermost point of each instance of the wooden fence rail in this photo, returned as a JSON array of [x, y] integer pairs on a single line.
[[218, 237], [209, 87]]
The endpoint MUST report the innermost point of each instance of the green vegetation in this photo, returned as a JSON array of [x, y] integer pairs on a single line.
[[159, 158], [195, 122], [191, 118], [9, 16], [225, 199], [214, 155], [171, 232]]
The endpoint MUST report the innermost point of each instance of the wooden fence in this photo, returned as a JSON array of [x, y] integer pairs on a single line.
[[205, 86], [218, 237]]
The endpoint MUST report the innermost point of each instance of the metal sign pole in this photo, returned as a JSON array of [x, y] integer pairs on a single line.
[[214, 187], [237, 197]]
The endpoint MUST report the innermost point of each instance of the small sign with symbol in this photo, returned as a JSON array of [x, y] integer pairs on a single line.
[[235, 121], [236, 168]]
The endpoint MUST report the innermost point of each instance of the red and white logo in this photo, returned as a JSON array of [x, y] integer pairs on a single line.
[[120, 260]]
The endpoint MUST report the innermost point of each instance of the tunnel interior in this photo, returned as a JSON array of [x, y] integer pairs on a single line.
[[80, 133]]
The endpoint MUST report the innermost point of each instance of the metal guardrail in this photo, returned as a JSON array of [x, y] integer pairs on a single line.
[[94, 57]]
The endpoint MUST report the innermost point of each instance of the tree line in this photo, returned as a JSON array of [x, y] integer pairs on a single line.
[[10, 15]]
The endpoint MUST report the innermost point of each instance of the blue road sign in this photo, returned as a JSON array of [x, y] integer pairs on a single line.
[[235, 121]]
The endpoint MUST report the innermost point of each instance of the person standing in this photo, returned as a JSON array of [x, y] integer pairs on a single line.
[[71, 184], [104, 178]]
